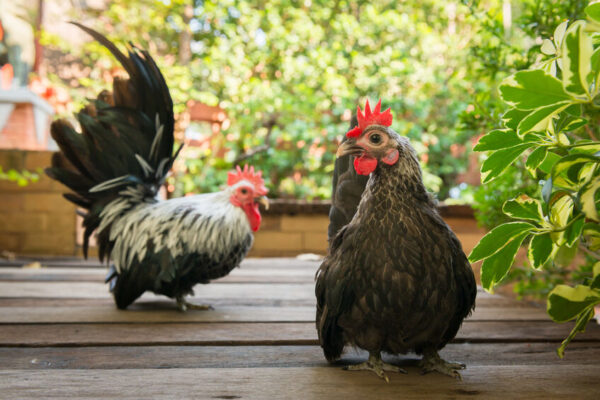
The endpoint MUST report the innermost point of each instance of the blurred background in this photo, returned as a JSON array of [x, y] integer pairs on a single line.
[[274, 84]]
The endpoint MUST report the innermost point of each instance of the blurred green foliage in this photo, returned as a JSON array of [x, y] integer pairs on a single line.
[[290, 74], [21, 178]]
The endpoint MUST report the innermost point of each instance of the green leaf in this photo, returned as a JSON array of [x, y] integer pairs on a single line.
[[560, 211], [593, 11], [513, 117], [596, 276], [497, 238], [499, 160], [575, 124], [524, 207], [535, 159], [538, 119], [548, 47], [540, 250], [591, 232], [548, 163], [574, 110], [577, 52], [494, 268], [564, 175], [565, 302], [587, 198], [564, 255], [498, 139], [580, 324], [595, 65], [532, 89], [559, 34], [573, 232]]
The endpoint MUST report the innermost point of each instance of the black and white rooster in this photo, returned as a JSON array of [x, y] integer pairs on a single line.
[[395, 279], [115, 168]]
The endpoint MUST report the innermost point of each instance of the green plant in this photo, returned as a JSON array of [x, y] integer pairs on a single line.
[[21, 178], [289, 75], [553, 121]]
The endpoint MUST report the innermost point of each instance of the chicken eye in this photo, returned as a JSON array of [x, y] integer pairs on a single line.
[[244, 191], [375, 138]]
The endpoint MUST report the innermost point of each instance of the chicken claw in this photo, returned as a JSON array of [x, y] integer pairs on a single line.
[[376, 365], [432, 362]]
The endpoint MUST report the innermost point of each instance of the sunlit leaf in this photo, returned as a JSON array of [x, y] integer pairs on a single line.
[[577, 52], [532, 89], [538, 119], [560, 211], [587, 198], [565, 302], [498, 237], [498, 139], [524, 207], [560, 173], [548, 47], [559, 33], [593, 11]]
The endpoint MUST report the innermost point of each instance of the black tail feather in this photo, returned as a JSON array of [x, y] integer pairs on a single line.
[[125, 134]]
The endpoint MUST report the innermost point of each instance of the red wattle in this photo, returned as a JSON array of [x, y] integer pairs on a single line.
[[254, 218], [364, 165]]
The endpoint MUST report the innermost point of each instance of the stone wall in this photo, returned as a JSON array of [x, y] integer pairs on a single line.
[[37, 220]]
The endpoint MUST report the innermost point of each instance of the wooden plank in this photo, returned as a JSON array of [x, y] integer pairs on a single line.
[[162, 302], [479, 382], [235, 333], [57, 290], [148, 357], [238, 275], [109, 314], [250, 263], [283, 291]]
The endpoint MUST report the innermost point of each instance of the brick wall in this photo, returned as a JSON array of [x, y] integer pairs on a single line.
[[293, 228], [37, 220], [34, 219]]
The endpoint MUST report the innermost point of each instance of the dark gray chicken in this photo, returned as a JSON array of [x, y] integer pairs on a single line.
[[396, 279]]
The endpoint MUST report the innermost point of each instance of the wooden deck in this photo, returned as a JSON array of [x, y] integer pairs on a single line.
[[62, 337]]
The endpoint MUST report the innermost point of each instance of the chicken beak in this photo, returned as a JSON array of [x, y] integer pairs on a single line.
[[264, 201], [349, 147]]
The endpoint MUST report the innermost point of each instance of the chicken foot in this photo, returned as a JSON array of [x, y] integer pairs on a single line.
[[184, 305], [432, 361], [376, 364]]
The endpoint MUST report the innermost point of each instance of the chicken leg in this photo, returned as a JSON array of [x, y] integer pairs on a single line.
[[184, 305], [432, 361], [376, 364]]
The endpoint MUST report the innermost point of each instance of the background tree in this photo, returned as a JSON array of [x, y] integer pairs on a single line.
[[289, 75]]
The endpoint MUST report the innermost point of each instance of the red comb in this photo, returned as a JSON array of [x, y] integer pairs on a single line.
[[376, 117], [249, 175]]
